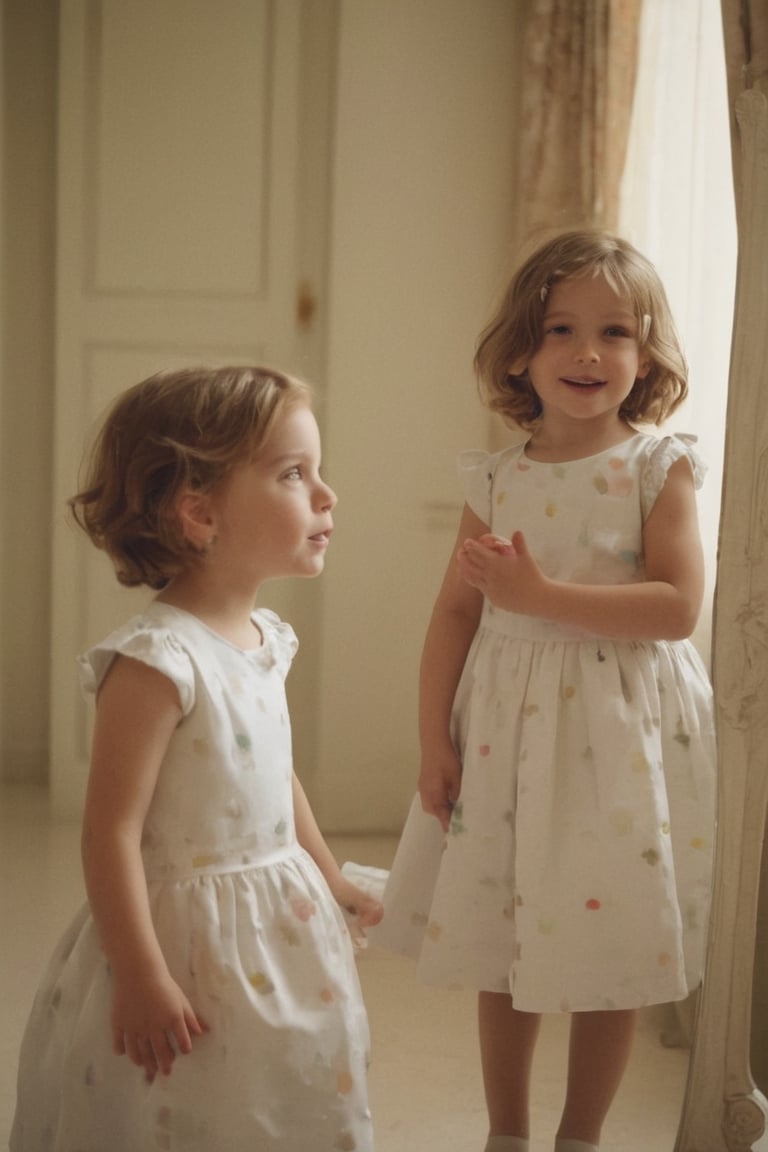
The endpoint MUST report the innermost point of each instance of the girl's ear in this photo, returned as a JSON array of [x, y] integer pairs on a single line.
[[195, 514], [643, 369]]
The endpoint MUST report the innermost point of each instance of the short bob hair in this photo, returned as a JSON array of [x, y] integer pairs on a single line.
[[516, 331], [173, 431]]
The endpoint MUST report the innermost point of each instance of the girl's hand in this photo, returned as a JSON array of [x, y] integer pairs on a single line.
[[439, 785], [496, 543], [366, 909], [151, 1021], [362, 910], [505, 572]]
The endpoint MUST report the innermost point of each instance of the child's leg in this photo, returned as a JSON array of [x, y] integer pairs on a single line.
[[598, 1054], [507, 1042]]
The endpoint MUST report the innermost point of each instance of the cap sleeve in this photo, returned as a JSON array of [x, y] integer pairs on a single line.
[[279, 637], [154, 646], [476, 470], [663, 455]]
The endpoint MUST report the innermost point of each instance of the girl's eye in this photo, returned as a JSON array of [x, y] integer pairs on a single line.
[[617, 331], [558, 329], [293, 473]]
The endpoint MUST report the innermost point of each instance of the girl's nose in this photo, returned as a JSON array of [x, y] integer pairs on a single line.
[[587, 353], [327, 497]]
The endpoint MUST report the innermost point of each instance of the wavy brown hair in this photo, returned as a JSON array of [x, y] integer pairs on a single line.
[[175, 430], [516, 331]]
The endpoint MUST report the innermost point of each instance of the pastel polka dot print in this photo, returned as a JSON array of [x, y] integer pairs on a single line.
[[576, 870]]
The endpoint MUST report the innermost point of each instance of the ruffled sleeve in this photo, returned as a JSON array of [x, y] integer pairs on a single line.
[[661, 458], [279, 637], [476, 469], [142, 640]]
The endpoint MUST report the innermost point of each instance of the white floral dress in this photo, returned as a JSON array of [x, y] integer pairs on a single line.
[[247, 925], [576, 873]]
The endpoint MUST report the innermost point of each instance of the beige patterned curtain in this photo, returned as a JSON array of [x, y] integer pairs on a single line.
[[580, 63]]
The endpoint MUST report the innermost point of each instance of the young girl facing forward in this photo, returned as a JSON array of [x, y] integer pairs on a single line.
[[206, 997], [559, 859]]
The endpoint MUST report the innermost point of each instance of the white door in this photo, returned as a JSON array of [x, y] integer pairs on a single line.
[[188, 131]]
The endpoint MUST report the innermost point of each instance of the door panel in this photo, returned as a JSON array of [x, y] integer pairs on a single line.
[[177, 125], [183, 238]]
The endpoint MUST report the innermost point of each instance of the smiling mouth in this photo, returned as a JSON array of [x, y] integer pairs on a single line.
[[321, 537], [579, 382]]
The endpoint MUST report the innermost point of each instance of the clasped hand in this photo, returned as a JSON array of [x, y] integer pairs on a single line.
[[152, 1020], [505, 572], [364, 910]]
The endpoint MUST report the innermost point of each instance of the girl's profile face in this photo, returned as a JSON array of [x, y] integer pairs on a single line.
[[588, 359], [272, 515]]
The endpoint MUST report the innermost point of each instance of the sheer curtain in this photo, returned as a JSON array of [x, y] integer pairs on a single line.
[[677, 206]]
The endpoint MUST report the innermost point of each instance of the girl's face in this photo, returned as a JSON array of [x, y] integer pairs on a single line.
[[589, 357], [271, 517]]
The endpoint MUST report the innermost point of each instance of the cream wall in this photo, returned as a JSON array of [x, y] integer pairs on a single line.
[[28, 188], [422, 218]]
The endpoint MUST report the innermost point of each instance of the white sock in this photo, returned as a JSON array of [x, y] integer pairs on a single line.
[[562, 1145], [506, 1144]]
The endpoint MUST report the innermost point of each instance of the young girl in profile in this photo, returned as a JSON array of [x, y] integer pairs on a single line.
[[562, 859], [206, 998]]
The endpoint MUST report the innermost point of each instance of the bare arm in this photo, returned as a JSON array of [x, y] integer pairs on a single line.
[[358, 903], [450, 633], [136, 714], [665, 606]]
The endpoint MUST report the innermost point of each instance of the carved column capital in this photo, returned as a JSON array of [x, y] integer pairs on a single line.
[[744, 1121]]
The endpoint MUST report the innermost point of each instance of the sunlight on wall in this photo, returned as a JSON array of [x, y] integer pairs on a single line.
[[677, 207]]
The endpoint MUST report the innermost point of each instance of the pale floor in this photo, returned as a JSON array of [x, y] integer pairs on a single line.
[[426, 1091]]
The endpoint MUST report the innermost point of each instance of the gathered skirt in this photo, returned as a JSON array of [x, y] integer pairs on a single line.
[[576, 873], [265, 959]]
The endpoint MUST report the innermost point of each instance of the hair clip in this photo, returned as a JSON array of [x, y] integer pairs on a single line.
[[645, 328], [544, 291]]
